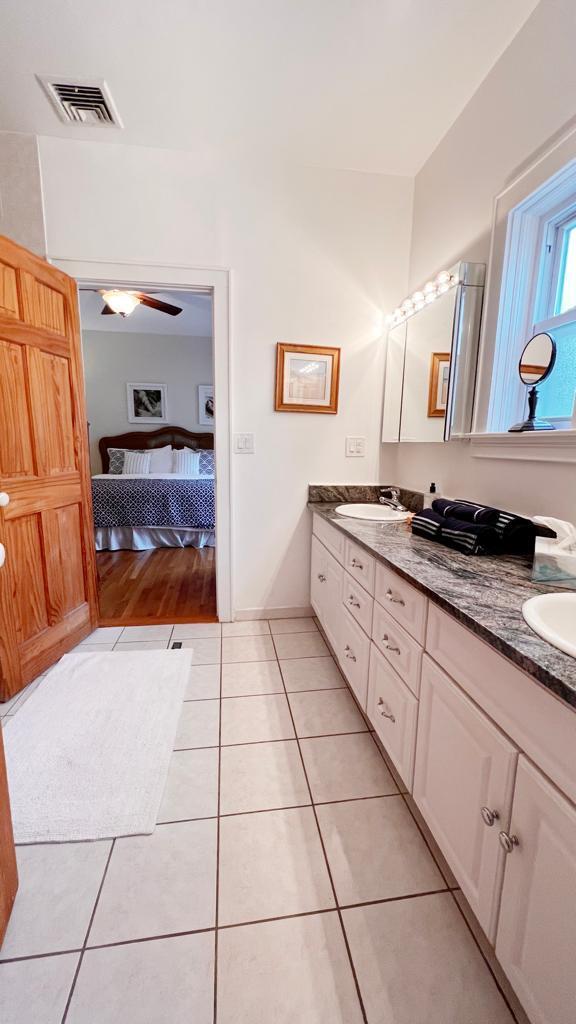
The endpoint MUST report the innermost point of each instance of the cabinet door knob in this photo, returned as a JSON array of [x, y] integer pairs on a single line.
[[488, 816], [349, 653], [353, 602], [4, 499], [321, 577], [385, 710], [508, 842], [356, 564], [390, 597]]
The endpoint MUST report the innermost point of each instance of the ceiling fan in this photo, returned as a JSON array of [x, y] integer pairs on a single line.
[[124, 303]]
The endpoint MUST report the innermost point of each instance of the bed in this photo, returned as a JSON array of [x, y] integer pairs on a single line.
[[138, 512]]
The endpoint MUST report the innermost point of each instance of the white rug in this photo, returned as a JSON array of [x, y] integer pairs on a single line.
[[88, 752]]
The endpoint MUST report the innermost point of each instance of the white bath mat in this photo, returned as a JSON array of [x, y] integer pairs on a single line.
[[88, 753]]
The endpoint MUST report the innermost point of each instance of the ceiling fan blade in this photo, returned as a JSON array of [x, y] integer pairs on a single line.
[[162, 307], [106, 311]]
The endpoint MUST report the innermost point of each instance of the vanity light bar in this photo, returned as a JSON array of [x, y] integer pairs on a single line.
[[417, 301]]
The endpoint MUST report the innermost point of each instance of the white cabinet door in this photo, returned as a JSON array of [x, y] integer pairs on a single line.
[[536, 939], [463, 778], [326, 589], [393, 711], [353, 649]]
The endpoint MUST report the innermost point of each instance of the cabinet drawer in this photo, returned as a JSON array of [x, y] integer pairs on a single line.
[[398, 647], [330, 537], [393, 711], [404, 603], [358, 602], [360, 565], [353, 650]]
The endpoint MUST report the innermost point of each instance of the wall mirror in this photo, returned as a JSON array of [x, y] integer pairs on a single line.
[[534, 367], [431, 358]]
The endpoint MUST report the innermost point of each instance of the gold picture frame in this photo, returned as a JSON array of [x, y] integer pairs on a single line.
[[307, 378], [438, 385]]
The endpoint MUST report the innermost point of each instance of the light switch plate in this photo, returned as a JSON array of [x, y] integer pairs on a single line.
[[355, 447], [244, 444]]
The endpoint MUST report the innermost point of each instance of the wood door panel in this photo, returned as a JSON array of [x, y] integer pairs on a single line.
[[9, 302], [43, 305], [16, 458], [42, 650], [24, 555], [62, 530], [8, 869], [51, 400]]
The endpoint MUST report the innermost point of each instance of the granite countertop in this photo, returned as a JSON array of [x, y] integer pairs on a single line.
[[484, 593]]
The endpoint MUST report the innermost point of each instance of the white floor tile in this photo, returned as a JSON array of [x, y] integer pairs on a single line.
[[248, 678], [159, 884], [36, 991], [300, 645], [253, 719], [104, 635], [261, 776], [286, 972], [84, 648], [417, 964], [204, 651], [271, 864], [322, 712], [131, 633], [196, 630], [203, 683], [169, 980], [247, 648], [256, 627], [198, 725], [191, 786], [311, 674], [375, 850], [293, 626], [345, 767], [58, 887], [140, 645]]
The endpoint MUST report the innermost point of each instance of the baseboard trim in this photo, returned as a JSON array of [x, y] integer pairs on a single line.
[[288, 612]]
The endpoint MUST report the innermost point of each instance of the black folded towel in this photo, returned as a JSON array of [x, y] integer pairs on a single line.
[[517, 534], [468, 511], [470, 538], [427, 524]]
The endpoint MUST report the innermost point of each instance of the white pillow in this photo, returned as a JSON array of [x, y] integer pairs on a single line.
[[161, 459], [186, 462], [136, 462]]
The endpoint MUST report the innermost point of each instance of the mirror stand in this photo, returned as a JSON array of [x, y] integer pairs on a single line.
[[532, 423]]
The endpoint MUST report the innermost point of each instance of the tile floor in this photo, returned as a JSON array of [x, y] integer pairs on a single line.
[[286, 882]]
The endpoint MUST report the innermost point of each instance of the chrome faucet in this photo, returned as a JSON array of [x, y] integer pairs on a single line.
[[391, 496]]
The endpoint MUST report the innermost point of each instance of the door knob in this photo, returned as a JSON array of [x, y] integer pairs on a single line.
[[4, 499], [2, 555]]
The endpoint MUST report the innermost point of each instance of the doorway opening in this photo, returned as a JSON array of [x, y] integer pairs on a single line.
[[150, 397]]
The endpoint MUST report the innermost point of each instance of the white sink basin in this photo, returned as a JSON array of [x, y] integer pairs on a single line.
[[378, 513], [553, 617]]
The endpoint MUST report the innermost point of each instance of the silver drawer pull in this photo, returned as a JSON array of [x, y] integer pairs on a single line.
[[395, 600], [385, 710], [356, 565], [353, 602], [488, 816], [349, 653], [508, 842], [390, 647], [321, 577]]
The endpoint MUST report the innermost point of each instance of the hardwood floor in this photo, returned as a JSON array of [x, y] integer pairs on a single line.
[[163, 585]]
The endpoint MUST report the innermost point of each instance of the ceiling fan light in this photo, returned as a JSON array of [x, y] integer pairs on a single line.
[[120, 302]]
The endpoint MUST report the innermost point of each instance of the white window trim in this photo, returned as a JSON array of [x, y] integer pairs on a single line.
[[510, 298]]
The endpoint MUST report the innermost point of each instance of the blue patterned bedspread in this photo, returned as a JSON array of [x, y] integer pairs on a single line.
[[129, 501]]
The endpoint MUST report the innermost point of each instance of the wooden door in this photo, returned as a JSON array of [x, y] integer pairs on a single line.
[[463, 780], [8, 870], [536, 935], [48, 593]]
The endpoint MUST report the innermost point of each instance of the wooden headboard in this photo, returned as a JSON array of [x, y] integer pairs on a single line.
[[142, 440]]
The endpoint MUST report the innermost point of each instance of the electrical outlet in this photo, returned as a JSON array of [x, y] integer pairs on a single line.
[[355, 447], [244, 444]]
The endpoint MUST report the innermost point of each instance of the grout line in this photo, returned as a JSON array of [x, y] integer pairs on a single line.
[[276, 693], [92, 915], [326, 861]]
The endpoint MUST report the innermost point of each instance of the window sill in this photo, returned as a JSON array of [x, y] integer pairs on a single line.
[[544, 446]]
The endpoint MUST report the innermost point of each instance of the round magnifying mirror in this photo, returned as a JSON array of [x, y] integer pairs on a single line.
[[537, 359]]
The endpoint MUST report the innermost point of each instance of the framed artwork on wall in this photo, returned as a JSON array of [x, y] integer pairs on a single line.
[[307, 378], [146, 403], [438, 385], [206, 404]]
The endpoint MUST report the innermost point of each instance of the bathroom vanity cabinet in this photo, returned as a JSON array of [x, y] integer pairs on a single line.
[[488, 755]]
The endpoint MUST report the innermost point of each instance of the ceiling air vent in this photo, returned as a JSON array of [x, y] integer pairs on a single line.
[[80, 101]]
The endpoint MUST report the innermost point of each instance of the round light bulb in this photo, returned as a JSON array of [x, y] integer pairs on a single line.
[[120, 302], [429, 287], [443, 277]]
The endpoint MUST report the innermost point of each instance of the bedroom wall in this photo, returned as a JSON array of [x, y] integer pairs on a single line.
[[21, 210], [112, 359], [315, 256], [525, 100]]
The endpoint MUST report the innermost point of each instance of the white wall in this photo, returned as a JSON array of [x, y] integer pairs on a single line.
[[112, 359], [315, 256], [21, 213], [525, 100]]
